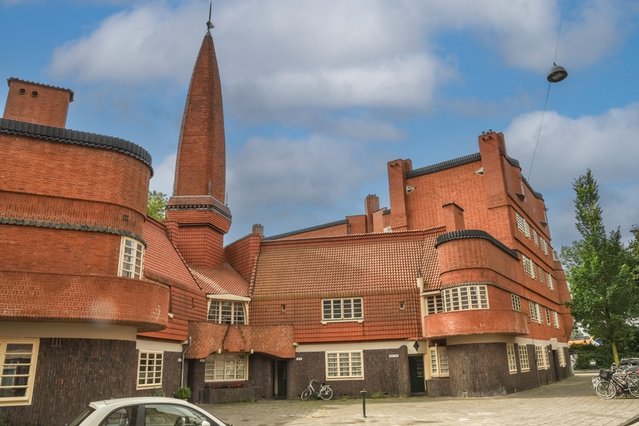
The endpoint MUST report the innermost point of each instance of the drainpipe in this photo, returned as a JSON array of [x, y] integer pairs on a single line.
[[185, 347]]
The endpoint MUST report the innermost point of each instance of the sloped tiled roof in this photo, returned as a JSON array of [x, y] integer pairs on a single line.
[[162, 262], [346, 265], [221, 280]]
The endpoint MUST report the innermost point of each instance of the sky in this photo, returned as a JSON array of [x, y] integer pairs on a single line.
[[320, 94]]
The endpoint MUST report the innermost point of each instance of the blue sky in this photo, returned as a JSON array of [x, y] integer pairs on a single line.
[[320, 94]]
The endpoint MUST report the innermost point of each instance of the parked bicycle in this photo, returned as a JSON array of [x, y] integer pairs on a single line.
[[320, 390], [616, 383]]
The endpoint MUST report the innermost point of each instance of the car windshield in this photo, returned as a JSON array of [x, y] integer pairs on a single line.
[[83, 415]]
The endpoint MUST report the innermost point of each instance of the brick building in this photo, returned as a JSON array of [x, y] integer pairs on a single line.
[[453, 290]]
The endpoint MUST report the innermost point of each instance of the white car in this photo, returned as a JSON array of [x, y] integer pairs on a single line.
[[145, 411]]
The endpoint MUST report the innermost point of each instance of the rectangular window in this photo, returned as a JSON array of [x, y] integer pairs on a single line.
[[344, 365], [535, 237], [547, 316], [131, 258], [438, 361], [562, 357], [226, 367], [522, 225], [149, 370], [544, 246], [512, 359], [17, 376], [434, 304], [342, 309], [523, 358], [226, 312], [516, 302], [465, 298], [542, 358], [551, 281], [542, 275], [535, 311], [529, 266], [555, 319]]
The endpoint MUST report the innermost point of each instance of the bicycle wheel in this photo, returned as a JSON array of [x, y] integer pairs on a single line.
[[306, 393], [633, 385], [605, 389], [326, 393]]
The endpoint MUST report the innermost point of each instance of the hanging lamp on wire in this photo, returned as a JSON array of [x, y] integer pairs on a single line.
[[556, 74]]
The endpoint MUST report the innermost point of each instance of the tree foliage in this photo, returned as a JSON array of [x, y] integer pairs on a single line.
[[156, 205], [601, 272]]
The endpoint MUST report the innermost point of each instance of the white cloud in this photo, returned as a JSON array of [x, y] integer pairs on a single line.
[[163, 175]]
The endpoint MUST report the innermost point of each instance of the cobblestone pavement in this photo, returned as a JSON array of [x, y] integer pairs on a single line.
[[569, 402]]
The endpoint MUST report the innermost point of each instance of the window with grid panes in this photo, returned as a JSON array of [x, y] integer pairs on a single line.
[[516, 300], [17, 375], [547, 316], [551, 281], [434, 304], [555, 319], [465, 298], [342, 309], [131, 258], [438, 361], [522, 225], [562, 357], [344, 365], [544, 246], [535, 237], [529, 266], [512, 359], [226, 367], [535, 311], [524, 363], [542, 275], [226, 312], [149, 369], [542, 358]]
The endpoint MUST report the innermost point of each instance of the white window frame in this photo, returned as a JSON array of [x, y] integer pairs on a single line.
[[541, 357], [535, 311], [544, 246], [535, 237], [18, 369], [150, 366], [555, 319], [551, 281], [516, 301], [464, 298], [522, 224], [562, 357], [438, 361], [434, 304], [524, 362], [529, 266], [227, 312], [131, 261], [512, 358], [226, 367], [547, 316], [343, 309], [340, 365]]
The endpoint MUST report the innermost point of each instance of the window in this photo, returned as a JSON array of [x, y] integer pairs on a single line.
[[17, 376], [551, 281], [516, 302], [542, 357], [438, 361], [535, 237], [169, 414], [512, 359], [562, 357], [342, 309], [149, 370], [523, 358], [226, 312], [542, 275], [226, 367], [434, 304], [544, 246], [535, 311], [547, 316], [344, 365], [522, 225], [529, 266], [555, 319], [465, 298], [131, 258]]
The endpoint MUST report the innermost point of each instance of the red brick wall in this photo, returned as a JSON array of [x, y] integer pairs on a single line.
[[38, 104], [242, 254]]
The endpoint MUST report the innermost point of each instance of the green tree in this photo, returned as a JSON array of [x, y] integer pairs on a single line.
[[156, 205], [600, 270]]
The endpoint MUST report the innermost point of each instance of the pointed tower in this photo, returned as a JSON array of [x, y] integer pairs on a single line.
[[197, 217]]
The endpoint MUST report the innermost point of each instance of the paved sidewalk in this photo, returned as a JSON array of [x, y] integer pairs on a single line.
[[569, 402]]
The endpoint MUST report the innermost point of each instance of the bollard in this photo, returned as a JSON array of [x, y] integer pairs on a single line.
[[363, 392]]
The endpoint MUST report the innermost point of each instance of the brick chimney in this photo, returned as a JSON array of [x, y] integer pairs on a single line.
[[37, 103]]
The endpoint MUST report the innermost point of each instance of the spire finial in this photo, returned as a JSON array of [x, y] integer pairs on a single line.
[[209, 24]]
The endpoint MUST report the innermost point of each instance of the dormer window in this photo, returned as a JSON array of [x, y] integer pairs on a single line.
[[131, 259], [226, 312]]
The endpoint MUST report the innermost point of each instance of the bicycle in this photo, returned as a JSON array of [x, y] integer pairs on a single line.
[[616, 382], [324, 391]]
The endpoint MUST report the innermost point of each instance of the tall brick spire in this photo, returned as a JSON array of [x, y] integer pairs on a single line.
[[197, 217]]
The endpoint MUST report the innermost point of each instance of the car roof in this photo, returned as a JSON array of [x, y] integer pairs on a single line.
[[137, 400]]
